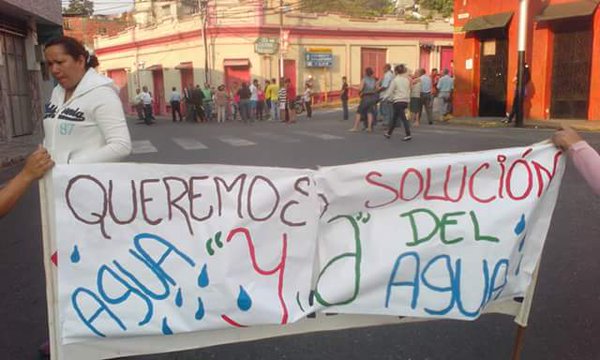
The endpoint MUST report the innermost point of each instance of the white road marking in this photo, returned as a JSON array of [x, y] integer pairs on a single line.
[[143, 147], [276, 137], [190, 144], [233, 141], [321, 136]]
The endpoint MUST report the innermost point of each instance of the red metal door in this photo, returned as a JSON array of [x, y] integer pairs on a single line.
[[289, 71], [446, 58], [236, 74], [187, 82], [159, 91], [119, 77], [373, 58], [424, 59]]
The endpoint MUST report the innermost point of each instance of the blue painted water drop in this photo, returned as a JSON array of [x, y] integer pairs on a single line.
[[165, 327], [243, 301], [203, 278], [200, 311], [179, 299], [520, 226], [75, 257]]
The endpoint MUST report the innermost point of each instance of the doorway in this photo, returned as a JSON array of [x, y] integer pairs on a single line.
[[159, 91], [14, 83], [236, 73], [493, 77], [373, 58], [289, 71], [571, 68], [119, 77]]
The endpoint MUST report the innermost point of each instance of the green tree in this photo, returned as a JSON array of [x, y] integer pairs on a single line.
[[79, 7], [445, 7], [349, 7]]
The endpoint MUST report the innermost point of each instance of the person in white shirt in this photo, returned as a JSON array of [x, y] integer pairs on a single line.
[[84, 121], [147, 101], [307, 99], [175, 102], [400, 96], [386, 107], [254, 99], [139, 104]]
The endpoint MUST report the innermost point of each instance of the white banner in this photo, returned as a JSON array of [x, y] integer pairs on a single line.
[[157, 258]]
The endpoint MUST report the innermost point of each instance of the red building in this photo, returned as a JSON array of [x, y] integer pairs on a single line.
[[562, 36], [84, 28]]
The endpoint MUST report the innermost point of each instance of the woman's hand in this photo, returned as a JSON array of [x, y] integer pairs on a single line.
[[37, 164], [565, 137]]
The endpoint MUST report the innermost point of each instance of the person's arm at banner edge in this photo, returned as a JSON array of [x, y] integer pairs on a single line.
[[584, 157], [35, 167]]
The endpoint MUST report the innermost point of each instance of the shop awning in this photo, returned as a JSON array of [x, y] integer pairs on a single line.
[[568, 10], [236, 62], [154, 68], [487, 22]]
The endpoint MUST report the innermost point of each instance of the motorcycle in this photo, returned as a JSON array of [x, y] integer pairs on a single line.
[[299, 106]]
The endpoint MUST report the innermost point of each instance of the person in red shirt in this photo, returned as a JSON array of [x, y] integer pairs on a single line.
[[291, 98]]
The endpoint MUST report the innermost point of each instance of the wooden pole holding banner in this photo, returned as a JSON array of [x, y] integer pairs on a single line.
[[516, 355], [48, 268]]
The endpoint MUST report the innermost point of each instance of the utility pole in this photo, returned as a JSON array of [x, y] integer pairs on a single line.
[[204, 16], [280, 40], [522, 44]]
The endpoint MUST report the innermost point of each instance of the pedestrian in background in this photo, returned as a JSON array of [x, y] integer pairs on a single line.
[[283, 103], [584, 157], [416, 106], [207, 102], [175, 102], [244, 105], [368, 99], [198, 101], [290, 90], [235, 101], [526, 79], [386, 106], [426, 95], [307, 98], [267, 97], [260, 105], [139, 104], [446, 87], [274, 98], [190, 111], [254, 98], [221, 101], [344, 97], [147, 101], [400, 95], [36, 165]]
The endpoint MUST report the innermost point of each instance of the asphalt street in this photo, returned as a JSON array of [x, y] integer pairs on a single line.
[[565, 319]]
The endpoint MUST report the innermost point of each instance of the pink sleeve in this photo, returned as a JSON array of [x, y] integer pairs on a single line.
[[587, 162]]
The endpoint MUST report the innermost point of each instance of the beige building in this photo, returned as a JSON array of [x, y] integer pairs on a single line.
[[166, 49]]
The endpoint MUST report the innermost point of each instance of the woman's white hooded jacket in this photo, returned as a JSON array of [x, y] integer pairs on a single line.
[[90, 127]]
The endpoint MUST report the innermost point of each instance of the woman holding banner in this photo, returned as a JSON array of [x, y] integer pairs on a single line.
[[84, 120], [584, 157]]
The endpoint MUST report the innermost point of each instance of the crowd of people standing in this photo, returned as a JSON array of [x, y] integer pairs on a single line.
[[245, 102], [396, 92]]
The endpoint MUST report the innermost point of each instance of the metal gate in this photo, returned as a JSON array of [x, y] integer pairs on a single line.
[[571, 69], [492, 83], [14, 85]]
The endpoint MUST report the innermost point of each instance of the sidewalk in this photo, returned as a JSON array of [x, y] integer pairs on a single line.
[[16, 150]]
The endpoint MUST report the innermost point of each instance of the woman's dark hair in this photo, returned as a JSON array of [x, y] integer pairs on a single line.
[[400, 69], [369, 71], [74, 49]]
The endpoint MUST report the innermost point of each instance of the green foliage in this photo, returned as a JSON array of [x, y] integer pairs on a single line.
[[79, 7], [445, 7], [349, 7]]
